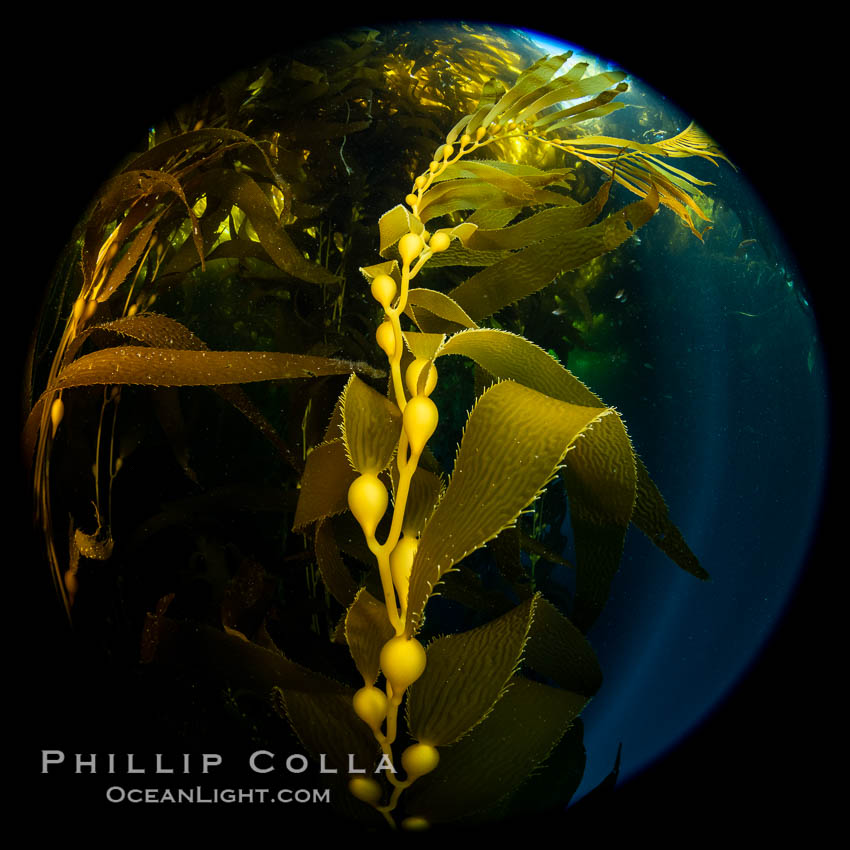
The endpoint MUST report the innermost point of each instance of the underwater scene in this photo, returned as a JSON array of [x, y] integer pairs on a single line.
[[412, 433]]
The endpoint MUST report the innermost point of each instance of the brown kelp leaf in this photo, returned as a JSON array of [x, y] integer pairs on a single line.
[[245, 591], [153, 329], [333, 570], [498, 755], [140, 244], [159, 331], [329, 729], [465, 676], [218, 140], [371, 425], [240, 189], [204, 506], [180, 368], [534, 267], [514, 440], [600, 479], [152, 631], [367, 629], [166, 406], [559, 652], [338, 741], [138, 189], [208, 652], [324, 484], [651, 517]]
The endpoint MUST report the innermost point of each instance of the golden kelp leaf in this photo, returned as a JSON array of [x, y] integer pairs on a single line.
[[493, 90], [371, 426], [599, 473], [390, 267], [327, 725], [498, 755], [367, 629], [507, 355], [513, 442], [465, 676], [425, 489], [531, 269], [177, 368], [333, 570], [639, 166], [559, 652], [488, 173], [546, 224], [527, 83], [458, 255], [599, 107], [423, 346], [324, 484], [437, 304], [558, 91], [393, 224], [453, 195], [472, 194]]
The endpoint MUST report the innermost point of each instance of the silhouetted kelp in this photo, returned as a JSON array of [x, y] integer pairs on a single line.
[[247, 220]]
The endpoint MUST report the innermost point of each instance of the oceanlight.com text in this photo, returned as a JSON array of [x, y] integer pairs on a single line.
[[120, 794]]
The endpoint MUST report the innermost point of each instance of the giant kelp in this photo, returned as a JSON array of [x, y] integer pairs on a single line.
[[241, 202]]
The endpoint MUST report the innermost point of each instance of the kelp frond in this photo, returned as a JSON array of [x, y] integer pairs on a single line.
[[535, 109], [639, 166]]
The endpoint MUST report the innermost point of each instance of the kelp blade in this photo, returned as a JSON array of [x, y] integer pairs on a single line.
[[497, 475], [169, 367], [466, 675]]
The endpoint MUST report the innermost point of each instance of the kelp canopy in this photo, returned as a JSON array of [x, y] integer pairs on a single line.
[[208, 389]]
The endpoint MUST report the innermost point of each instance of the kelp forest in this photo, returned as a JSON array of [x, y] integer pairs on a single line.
[[305, 451]]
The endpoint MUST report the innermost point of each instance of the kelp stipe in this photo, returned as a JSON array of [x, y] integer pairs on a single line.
[[377, 525], [469, 690]]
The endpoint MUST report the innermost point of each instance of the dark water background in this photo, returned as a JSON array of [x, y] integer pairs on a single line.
[[744, 426]]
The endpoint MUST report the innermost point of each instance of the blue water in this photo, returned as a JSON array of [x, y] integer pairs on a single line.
[[727, 404]]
